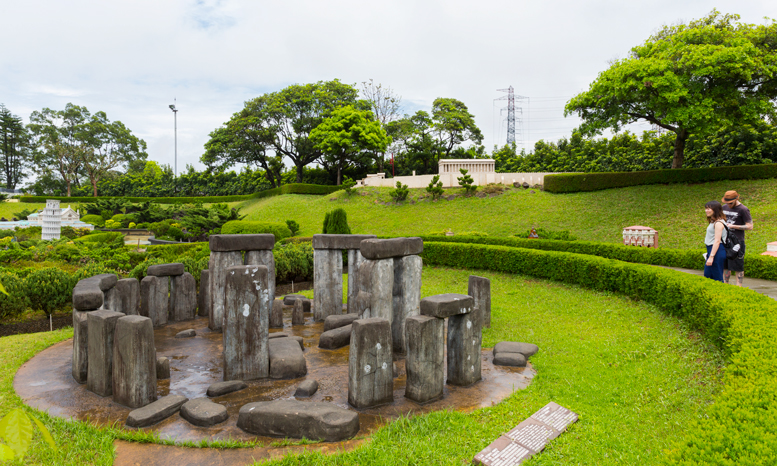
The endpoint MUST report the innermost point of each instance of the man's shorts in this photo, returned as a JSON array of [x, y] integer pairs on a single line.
[[736, 265]]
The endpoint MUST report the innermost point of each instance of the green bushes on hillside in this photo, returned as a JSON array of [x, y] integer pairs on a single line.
[[741, 424], [576, 182], [241, 227]]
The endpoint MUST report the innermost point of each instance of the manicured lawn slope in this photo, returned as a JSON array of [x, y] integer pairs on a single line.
[[676, 211]]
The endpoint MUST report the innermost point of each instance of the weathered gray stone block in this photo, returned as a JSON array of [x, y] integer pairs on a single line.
[[298, 313], [203, 298], [154, 299], [100, 327], [183, 297], [406, 297], [222, 388], [299, 340], [510, 359], [298, 419], [87, 296], [105, 281], [355, 260], [306, 389], [155, 412], [110, 298], [377, 279], [166, 270], [339, 242], [203, 412], [240, 242], [80, 363], [327, 283], [162, 368], [286, 359], [338, 321], [480, 290], [276, 314], [424, 363], [267, 259], [277, 335], [527, 349], [362, 305], [376, 249], [370, 377], [289, 299], [335, 338], [464, 340], [190, 333], [126, 296], [218, 264], [247, 311], [134, 362], [446, 305]]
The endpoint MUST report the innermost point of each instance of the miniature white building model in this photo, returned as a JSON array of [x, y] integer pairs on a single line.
[[52, 220], [638, 235]]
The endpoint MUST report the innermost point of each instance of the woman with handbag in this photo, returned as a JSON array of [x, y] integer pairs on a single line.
[[715, 241]]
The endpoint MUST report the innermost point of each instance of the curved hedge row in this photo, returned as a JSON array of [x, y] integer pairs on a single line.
[[757, 266], [294, 188], [576, 182], [741, 425]]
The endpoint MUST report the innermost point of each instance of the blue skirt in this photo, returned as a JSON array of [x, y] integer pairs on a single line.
[[715, 271]]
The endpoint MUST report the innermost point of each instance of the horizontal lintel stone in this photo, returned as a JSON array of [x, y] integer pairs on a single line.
[[339, 241], [376, 249], [446, 305], [224, 243], [166, 270]]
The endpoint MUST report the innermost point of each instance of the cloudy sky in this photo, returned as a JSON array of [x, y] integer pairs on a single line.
[[131, 59]]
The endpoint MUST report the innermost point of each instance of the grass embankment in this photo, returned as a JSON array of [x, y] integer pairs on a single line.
[[7, 209], [676, 211], [634, 375]]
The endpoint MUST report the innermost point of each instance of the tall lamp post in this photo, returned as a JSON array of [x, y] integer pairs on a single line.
[[175, 118]]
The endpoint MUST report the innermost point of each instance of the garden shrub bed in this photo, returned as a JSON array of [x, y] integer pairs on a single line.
[[237, 227], [577, 182], [741, 425]]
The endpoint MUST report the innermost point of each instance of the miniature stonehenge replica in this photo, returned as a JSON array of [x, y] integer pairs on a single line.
[[168, 293]]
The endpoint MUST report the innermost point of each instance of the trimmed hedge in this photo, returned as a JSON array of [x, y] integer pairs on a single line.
[[241, 227], [756, 265], [294, 188], [741, 424], [576, 182]]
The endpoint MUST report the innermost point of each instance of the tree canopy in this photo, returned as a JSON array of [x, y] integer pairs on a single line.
[[688, 79], [14, 148]]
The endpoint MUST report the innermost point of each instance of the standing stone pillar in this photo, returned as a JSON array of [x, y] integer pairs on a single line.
[[355, 260], [203, 298], [226, 251], [134, 362], [276, 314], [183, 297], [370, 369], [298, 314], [376, 283], [480, 289], [247, 314], [425, 358], [100, 327], [127, 296], [327, 283], [154, 300], [87, 297], [406, 297]]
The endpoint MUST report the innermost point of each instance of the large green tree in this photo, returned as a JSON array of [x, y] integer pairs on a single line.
[[349, 136], [453, 124], [688, 79], [14, 148]]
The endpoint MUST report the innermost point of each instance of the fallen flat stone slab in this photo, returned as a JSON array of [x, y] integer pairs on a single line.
[[376, 249], [222, 388], [337, 321], [306, 389], [87, 296], [166, 270], [446, 305], [155, 412], [186, 333], [335, 338], [339, 241], [289, 299], [298, 340], [298, 419], [510, 359], [203, 412], [286, 359], [224, 243], [527, 349], [277, 335]]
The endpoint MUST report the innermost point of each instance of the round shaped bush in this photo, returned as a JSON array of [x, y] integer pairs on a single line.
[[16, 301], [95, 220], [49, 289]]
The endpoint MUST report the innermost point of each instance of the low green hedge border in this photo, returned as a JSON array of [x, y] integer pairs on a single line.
[[756, 265], [741, 424], [576, 182], [294, 188], [242, 227]]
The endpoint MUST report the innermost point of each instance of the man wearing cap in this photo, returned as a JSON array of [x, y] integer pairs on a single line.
[[738, 220]]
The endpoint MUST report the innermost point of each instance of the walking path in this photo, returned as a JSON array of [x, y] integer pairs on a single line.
[[765, 287]]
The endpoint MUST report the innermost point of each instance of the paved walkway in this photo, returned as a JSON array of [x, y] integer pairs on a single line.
[[765, 287]]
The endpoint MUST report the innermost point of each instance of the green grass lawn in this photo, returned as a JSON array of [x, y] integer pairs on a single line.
[[634, 375], [676, 211], [7, 209]]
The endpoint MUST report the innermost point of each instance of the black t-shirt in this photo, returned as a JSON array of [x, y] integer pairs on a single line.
[[737, 215]]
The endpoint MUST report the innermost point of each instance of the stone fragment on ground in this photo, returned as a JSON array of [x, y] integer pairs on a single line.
[[162, 368], [510, 359], [527, 349], [306, 389], [286, 359], [298, 340], [289, 299], [337, 321], [335, 338], [155, 412], [186, 333], [222, 388], [203, 412], [298, 419], [277, 335]]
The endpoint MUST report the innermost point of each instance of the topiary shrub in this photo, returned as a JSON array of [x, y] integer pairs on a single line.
[[49, 289], [435, 187], [465, 181], [293, 227], [337, 223], [242, 227], [399, 194], [95, 220], [16, 301]]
